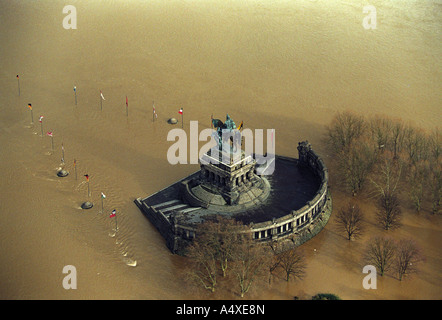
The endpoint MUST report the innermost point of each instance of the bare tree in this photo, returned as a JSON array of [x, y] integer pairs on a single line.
[[380, 253], [350, 219], [435, 168], [397, 137], [389, 213], [381, 132], [386, 181], [345, 129], [202, 267], [288, 258], [354, 165], [293, 264], [386, 176], [435, 187], [212, 250], [250, 263], [275, 248], [416, 144], [435, 144], [417, 176], [408, 256], [220, 234]]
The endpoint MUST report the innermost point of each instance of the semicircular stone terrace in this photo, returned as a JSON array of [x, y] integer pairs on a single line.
[[293, 203]]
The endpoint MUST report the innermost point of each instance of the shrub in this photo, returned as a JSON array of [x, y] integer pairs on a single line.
[[325, 296]]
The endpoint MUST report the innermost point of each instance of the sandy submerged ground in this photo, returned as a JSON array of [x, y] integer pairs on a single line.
[[277, 64]]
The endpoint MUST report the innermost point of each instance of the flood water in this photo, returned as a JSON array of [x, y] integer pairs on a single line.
[[283, 64]]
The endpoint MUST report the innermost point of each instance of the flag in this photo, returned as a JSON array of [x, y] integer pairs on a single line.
[[49, 133], [75, 162], [103, 195], [40, 119], [87, 177], [102, 97], [18, 83], [75, 88], [154, 112], [113, 214], [127, 103], [181, 111], [30, 106], [241, 125]]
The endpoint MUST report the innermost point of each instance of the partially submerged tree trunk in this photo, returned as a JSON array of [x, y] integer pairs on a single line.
[[380, 253], [350, 219]]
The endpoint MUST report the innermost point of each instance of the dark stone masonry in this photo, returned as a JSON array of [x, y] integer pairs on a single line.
[[293, 203], [278, 198]]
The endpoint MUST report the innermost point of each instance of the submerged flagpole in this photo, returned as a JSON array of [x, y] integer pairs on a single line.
[[103, 196], [114, 215], [154, 113], [41, 125], [32, 115], [62, 153], [87, 204], [50, 134], [101, 100], [75, 168], [127, 107], [182, 117], [18, 81]]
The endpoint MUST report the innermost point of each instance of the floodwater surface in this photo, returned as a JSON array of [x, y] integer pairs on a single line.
[[287, 65]]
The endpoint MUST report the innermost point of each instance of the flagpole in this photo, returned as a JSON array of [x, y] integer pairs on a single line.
[[102, 204], [182, 119], [41, 125], [62, 153], [153, 111], [52, 142], [87, 204], [75, 91], [101, 100], [127, 108], [75, 168], [116, 224], [18, 80], [32, 115]]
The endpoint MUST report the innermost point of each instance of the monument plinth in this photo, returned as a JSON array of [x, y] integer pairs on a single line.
[[292, 203]]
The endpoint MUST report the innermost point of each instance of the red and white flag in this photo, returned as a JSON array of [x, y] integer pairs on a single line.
[[40, 119], [102, 97], [113, 213], [49, 133], [154, 112], [181, 111]]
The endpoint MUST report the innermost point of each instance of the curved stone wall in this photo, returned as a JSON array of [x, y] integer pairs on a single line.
[[302, 224], [176, 211], [298, 225]]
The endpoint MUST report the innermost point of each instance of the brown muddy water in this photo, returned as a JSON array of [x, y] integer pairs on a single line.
[[288, 65]]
